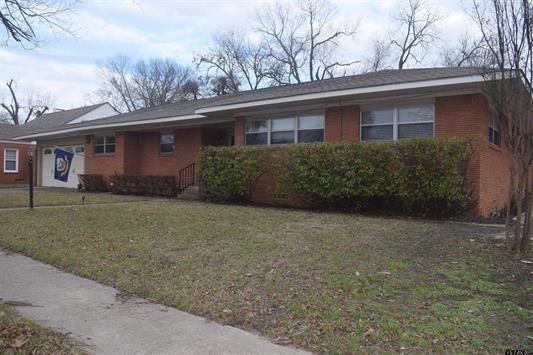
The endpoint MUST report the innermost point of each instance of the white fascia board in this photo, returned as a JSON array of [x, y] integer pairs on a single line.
[[111, 125], [358, 91], [16, 142]]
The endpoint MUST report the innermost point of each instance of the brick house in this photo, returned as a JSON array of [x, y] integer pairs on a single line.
[[13, 155], [382, 106]]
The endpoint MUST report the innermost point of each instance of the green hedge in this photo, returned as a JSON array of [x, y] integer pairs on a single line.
[[151, 185], [417, 176], [92, 183], [230, 173]]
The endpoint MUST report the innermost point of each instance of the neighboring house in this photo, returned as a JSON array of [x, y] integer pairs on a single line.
[[13, 155], [382, 106]]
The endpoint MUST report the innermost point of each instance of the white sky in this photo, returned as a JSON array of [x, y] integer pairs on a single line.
[[65, 66]]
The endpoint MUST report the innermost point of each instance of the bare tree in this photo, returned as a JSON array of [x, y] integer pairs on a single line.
[[21, 19], [323, 38], [507, 32], [17, 112], [146, 84], [235, 57], [303, 39], [222, 85], [380, 56], [415, 33], [467, 52]]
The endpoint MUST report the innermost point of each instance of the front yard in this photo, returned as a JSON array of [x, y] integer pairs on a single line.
[[17, 197], [327, 282]]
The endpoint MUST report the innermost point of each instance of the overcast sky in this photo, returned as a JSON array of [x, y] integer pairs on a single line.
[[65, 66]]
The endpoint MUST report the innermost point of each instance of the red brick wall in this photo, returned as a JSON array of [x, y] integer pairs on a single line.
[[342, 124], [460, 115], [22, 175], [138, 152]]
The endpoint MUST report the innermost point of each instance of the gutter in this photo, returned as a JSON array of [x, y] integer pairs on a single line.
[[111, 125]]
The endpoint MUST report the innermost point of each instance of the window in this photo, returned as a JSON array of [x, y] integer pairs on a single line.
[[285, 130], [11, 160], [397, 123], [166, 142], [494, 130], [104, 145], [47, 151], [79, 149]]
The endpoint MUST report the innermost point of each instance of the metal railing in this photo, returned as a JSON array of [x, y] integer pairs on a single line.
[[186, 177]]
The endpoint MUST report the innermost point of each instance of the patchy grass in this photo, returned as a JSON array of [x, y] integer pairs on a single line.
[[52, 198], [332, 283], [21, 336]]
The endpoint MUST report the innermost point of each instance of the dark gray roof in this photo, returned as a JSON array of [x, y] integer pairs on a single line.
[[8, 131], [383, 77], [54, 119]]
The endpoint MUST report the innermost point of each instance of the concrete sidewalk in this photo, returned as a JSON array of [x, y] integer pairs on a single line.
[[102, 322]]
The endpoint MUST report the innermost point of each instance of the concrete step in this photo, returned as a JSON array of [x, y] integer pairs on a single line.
[[191, 193]]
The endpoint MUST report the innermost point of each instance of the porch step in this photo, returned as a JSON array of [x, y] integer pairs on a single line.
[[191, 193]]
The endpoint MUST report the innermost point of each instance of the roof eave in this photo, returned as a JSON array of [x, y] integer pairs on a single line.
[[470, 79]]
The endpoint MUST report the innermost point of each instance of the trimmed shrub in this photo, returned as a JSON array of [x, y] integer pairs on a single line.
[[147, 185], [418, 176], [92, 183], [230, 173]]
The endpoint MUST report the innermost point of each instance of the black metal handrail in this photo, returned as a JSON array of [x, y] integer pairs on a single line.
[[186, 177]]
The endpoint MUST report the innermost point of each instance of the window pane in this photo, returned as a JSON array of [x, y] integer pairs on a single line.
[[110, 148], [11, 165], [110, 139], [415, 113], [11, 154], [48, 151], [167, 138], [256, 139], [310, 122], [415, 130], [99, 140], [282, 124], [79, 149], [98, 149], [376, 133], [310, 136], [256, 126], [167, 148], [282, 137], [378, 116], [497, 139]]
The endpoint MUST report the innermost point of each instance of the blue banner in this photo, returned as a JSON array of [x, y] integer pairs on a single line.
[[62, 165]]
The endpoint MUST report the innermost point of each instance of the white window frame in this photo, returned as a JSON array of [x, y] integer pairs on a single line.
[[296, 128], [395, 120], [104, 145], [16, 161], [493, 122], [173, 142]]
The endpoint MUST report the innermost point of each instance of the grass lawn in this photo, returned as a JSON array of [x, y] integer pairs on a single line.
[[52, 198], [328, 282], [21, 336]]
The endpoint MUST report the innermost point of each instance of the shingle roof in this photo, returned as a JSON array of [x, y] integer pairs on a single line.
[[54, 119], [383, 77], [9, 131]]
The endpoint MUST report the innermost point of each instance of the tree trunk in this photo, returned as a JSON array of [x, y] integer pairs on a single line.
[[524, 245], [510, 197]]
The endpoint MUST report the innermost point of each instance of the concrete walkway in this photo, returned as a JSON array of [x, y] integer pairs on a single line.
[[102, 322]]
